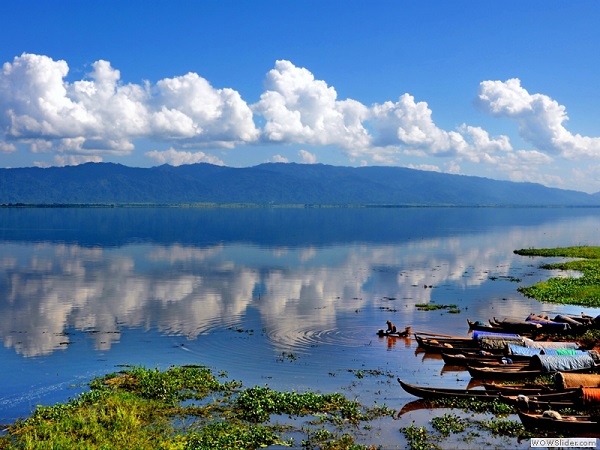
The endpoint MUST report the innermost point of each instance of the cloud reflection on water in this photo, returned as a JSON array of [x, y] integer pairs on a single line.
[[48, 289]]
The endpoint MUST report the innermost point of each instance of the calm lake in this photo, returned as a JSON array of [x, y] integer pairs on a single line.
[[289, 298]]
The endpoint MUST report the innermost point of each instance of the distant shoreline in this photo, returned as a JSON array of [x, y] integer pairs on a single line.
[[273, 205]]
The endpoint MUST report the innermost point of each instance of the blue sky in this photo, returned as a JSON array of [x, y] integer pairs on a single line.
[[505, 90]]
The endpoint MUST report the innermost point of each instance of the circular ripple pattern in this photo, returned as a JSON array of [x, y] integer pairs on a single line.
[[302, 339]]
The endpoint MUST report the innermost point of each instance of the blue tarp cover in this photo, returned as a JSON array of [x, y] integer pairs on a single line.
[[535, 344], [525, 351], [554, 325], [478, 334], [562, 351], [553, 363]]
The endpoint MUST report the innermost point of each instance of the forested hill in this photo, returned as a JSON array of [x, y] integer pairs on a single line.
[[271, 183]]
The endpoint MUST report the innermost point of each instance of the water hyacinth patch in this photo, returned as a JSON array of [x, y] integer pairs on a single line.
[[584, 291], [186, 408]]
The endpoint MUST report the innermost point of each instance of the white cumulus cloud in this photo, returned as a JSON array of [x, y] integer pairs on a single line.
[[279, 159], [212, 115], [307, 157], [539, 117], [178, 158], [6, 147], [100, 114], [408, 126], [68, 160], [300, 109]]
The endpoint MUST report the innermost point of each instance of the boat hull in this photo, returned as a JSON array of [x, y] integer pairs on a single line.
[[568, 398], [571, 425]]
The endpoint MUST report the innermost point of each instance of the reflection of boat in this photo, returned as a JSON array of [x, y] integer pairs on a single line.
[[416, 405], [428, 355], [449, 369], [551, 420]]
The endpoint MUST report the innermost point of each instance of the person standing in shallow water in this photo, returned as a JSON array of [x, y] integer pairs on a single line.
[[391, 328]]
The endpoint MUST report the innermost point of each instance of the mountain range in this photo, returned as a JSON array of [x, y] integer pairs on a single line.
[[271, 184]]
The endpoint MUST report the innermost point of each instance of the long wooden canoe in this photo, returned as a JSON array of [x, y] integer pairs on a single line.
[[513, 373], [569, 397], [462, 359], [496, 328], [447, 345], [494, 373], [569, 425], [556, 401], [433, 393], [523, 388]]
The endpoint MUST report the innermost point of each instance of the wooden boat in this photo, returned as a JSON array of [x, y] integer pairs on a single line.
[[405, 333], [570, 425], [499, 364], [565, 380], [523, 388], [465, 359], [504, 373], [433, 393], [497, 328], [518, 326], [556, 400], [535, 325], [447, 345], [443, 338], [513, 373], [570, 397]]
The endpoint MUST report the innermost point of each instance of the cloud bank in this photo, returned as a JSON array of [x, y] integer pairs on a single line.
[[100, 115]]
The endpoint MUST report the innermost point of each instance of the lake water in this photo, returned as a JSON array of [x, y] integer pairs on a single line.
[[289, 298]]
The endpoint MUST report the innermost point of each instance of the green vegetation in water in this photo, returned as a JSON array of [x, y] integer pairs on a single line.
[[449, 423], [421, 438], [452, 309], [511, 279], [186, 408], [584, 291], [373, 372], [473, 404]]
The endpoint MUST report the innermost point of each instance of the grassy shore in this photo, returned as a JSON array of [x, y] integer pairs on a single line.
[[584, 291], [189, 408], [185, 408]]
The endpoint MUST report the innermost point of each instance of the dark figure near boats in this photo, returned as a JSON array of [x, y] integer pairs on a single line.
[[391, 328]]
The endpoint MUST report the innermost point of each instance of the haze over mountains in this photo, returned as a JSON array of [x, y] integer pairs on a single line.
[[271, 184]]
